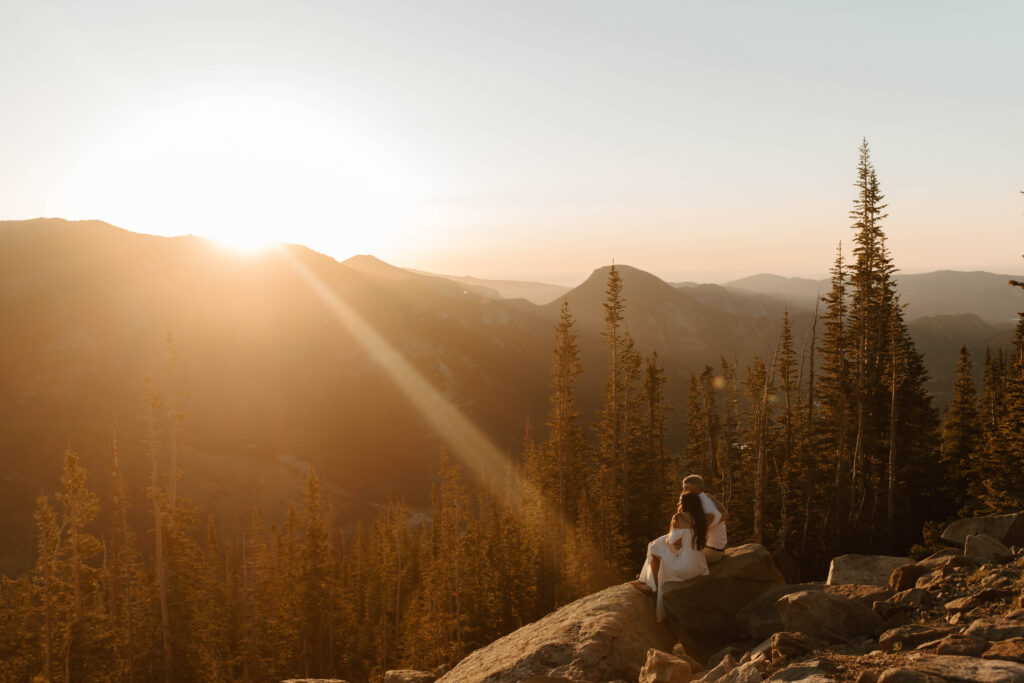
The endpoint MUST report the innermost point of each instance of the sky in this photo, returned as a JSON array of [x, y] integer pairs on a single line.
[[532, 140]]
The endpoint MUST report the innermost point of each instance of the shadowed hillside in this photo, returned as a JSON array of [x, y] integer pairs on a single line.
[[274, 379]]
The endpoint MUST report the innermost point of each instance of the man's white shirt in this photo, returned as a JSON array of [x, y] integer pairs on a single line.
[[716, 530]]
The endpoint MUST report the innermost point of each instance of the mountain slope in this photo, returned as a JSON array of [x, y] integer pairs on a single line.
[[278, 373], [944, 292]]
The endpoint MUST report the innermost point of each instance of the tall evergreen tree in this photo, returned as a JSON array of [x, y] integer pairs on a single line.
[[962, 434], [565, 444]]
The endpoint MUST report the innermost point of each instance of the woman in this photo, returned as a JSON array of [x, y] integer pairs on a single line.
[[678, 555]]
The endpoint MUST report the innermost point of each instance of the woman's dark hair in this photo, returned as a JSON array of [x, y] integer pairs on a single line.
[[692, 505]]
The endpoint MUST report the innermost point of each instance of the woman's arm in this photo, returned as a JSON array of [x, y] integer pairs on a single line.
[[721, 508]]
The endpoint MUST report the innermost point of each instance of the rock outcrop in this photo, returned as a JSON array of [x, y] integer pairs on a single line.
[[601, 637], [864, 570], [947, 618], [826, 616], [760, 619], [1007, 529], [703, 611]]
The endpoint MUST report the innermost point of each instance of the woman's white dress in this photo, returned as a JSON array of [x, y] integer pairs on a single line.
[[676, 565]]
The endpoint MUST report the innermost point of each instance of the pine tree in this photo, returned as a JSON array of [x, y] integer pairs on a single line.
[[835, 388], [610, 425], [19, 635], [783, 459], [54, 598], [759, 386], [565, 444], [313, 585], [870, 286], [610, 478], [128, 588], [89, 649], [657, 471], [154, 403], [962, 434]]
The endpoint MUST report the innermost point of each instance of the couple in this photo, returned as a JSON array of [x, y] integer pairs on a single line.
[[696, 538]]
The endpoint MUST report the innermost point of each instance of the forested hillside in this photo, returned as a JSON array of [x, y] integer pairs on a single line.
[[825, 441]]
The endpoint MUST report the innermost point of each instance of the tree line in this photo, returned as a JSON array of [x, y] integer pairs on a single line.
[[828, 443]]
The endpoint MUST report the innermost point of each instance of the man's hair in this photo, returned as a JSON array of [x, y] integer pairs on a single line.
[[694, 479]]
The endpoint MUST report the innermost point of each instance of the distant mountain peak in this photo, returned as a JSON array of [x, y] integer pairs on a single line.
[[371, 265]]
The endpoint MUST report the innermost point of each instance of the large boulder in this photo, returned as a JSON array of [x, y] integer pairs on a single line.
[[604, 636], [905, 576], [760, 619], [865, 595], [826, 616], [703, 610], [986, 549], [1007, 529], [864, 570]]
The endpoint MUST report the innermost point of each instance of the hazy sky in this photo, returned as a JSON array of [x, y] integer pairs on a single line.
[[697, 140]]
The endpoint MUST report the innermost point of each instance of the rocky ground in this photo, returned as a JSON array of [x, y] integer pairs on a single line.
[[954, 616]]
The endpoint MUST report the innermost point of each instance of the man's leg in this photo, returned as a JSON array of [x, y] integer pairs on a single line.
[[712, 555]]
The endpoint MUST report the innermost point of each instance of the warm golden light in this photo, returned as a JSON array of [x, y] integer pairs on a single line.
[[248, 171]]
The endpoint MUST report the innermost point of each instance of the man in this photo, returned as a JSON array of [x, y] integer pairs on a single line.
[[716, 515]]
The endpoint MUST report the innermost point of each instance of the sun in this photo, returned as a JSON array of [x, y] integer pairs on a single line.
[[249, 172]]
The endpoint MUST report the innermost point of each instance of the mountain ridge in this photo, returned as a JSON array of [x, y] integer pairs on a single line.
[[274, 377]]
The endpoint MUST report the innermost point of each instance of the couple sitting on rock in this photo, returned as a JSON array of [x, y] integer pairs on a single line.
[[696, 538]]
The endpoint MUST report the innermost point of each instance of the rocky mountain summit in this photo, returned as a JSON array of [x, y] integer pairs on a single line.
[[953, 616]]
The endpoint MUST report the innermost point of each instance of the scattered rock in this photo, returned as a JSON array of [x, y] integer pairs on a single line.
[[1011, 649], [904, 601], [661, 667], [703, 610], [865, 570], [760, 618], [695, 666], [996, 629], [961, 644], [866, 595], [970, 669], [826, 616], [906, 576], [941, 553], [604, 636], [963, 604], [902, 674], [408, 676], [1007, 529], [803, 673], [909, 637], [986, 549], [747, 673], [723, 667], [787, 645], [728, 651]]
